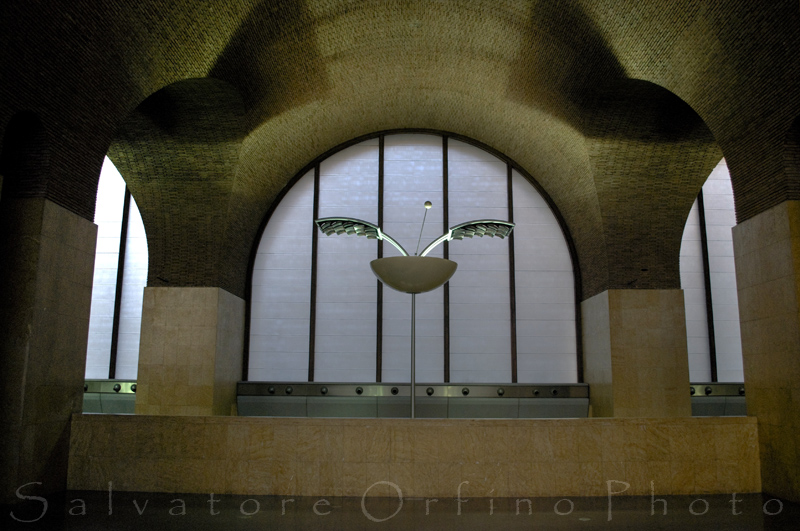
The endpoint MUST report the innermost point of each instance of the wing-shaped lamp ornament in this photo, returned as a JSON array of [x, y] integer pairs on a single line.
[[414, 274]]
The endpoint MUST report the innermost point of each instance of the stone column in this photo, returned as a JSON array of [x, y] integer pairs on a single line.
[[190, 354], [634, 347], [767, 252], [46, 267]]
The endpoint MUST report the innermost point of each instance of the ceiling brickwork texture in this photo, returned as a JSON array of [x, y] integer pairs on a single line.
[[619, 109]]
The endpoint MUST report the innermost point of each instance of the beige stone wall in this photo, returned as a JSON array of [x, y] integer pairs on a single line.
[[767, 250], [597, 354], [230, 346], [344, 457], [190, 356], [46, 288], [634, 347]]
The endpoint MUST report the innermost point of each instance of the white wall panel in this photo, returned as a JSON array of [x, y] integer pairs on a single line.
[[280, 301], [545, 291]]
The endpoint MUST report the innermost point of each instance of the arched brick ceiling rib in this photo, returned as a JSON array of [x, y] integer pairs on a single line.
[[178, 153], [531, 80], [539, 84], [650, 154], [551, 84], [735, 62], [349, 69]]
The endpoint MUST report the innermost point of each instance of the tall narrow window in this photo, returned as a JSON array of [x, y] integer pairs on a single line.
[[346, 288], [480, 342], [120, 275], [545, 291], [280, 305], [413, 175], [708, 278]]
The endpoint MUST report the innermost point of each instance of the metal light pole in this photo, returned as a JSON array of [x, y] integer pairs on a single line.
[[414, 274]]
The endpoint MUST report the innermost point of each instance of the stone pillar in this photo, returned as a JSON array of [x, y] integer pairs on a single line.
[[190, 354], [46, 267], [767, 252], [634, 347]]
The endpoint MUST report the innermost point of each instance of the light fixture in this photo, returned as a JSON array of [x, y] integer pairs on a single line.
[[414, 274]]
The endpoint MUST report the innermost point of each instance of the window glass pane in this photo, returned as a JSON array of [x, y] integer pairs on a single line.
[[134, 279], [545, 292], [413, 175], [347, 291], [694, 295], [480, 344], [720, 219], [108, 218], [281, 294]]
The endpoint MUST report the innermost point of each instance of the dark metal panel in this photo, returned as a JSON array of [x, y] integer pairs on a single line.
[[735, 406], [708, 406], [91, 403], [395, 407], [556, 408], [118, 403], [431, 407], [483, 408], [336, 406], [287, 406]]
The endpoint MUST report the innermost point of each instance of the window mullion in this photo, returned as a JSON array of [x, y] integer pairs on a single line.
[[712, 340], [512, 282], [312, 333], [123, 241], [379, 320], [446, 256]]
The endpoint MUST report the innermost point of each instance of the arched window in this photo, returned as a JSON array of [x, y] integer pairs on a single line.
[[317, 313], [708, 279], [120, 275]]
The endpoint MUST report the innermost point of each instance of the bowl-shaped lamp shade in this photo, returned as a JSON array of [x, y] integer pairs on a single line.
[[413, 274]]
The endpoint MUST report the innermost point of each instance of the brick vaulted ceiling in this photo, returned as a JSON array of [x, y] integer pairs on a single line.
[[618, 108]]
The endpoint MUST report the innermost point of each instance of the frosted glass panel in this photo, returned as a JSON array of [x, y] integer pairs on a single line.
[[346, 309], [694, 294], [545, 292], [480, 344], [720, 219], [134, 279], [108, 218], [413, 175], [280, 302], [347, 292]]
